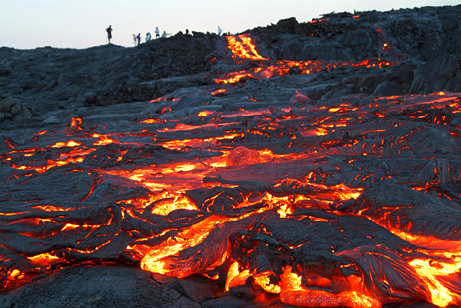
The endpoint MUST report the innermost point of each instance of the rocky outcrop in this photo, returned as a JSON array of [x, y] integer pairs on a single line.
[[12, 109], [410, 35], [440, 73], [424, 41], [49, 78]]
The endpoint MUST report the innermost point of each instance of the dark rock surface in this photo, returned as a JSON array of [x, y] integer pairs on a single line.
[[12, 109], [105, 286], [47, 79], [95, 144], [424, 41]]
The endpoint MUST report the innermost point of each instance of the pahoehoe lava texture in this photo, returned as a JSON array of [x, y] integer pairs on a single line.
[[310, 164]]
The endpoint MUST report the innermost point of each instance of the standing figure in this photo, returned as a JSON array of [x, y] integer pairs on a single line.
[[164, 34], [109, 33], [148, 37], [157, 32], [219, 31], [134, 39], [138, 38]]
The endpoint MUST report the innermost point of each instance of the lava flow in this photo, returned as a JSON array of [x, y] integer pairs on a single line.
[[346, 202], [242, 47]]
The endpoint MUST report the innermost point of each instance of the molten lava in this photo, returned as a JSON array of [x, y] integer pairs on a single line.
[[242, 46], [341, 203]]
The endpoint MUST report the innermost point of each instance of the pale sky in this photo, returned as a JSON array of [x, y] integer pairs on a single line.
[[27, 24]]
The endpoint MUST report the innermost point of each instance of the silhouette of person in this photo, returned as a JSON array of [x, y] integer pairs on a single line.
[[134, 39], [157, 32], [219, 30], [164, 34], [109, 33], [187, 31], [148, 37], [138, 38]]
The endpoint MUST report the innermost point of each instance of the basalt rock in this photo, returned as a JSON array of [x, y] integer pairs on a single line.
[[104, 75], [311, 164], [101, 287], [440, 73], [13, 110], [63, 79]]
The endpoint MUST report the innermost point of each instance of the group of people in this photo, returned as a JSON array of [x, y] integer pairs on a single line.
[[137, 38]]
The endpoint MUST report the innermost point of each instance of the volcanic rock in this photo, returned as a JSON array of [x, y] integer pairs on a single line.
[[66, 79], [12, 109], [110, 74], [297, 164], [97, 287], [243, 156]]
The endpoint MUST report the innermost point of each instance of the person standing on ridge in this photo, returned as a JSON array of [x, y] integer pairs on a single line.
[[148, 37], [157, 32], [219, 31], [138, 38], [109, 33]]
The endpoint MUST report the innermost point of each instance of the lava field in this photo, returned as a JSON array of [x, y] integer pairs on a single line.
[[262, 174]]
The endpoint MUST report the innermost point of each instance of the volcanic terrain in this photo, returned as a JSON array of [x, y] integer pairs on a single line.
[[310, 164]]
